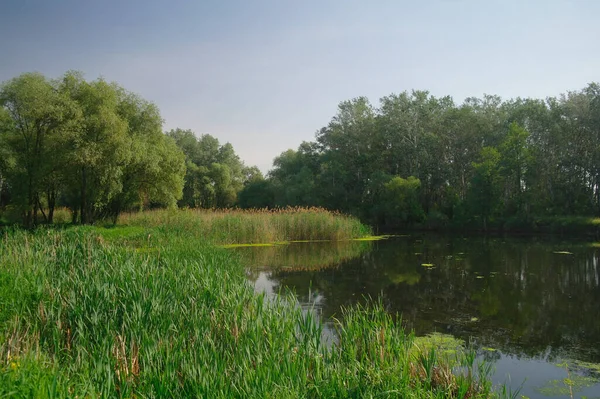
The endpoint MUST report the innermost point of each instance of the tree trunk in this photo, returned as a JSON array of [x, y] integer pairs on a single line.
[[29, 213], [51, 196], [39, 205], [83, 211]]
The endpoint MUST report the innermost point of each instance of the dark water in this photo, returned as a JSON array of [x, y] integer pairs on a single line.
[[530, 306]]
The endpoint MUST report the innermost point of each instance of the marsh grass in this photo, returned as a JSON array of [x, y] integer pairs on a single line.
[[83, 314], [236, 226]]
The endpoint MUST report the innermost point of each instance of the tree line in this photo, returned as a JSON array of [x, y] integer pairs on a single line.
[[420, 159], [98, 150]]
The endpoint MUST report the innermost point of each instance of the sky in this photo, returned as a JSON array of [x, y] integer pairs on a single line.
[[265, 75]]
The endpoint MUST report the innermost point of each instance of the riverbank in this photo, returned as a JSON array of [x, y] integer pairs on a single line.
[[154, 311], [580, 226]]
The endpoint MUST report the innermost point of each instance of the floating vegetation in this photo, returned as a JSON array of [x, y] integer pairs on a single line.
[[488, 349], [427, 265], [594, 367], [480, 276], [581, 366], [474, 319], [411, 278], [567, 386], [579, 375], [445, 345], [372, 238]]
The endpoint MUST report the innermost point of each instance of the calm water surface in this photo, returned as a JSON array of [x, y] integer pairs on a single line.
[[531, 306]]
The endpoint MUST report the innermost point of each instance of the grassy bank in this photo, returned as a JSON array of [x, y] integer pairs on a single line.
[[148, 312], [253, 226]]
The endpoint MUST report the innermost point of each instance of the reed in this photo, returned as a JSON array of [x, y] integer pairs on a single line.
[[84, 314], [235, 226]]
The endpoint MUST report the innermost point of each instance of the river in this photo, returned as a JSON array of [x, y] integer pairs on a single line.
[[530, 306]]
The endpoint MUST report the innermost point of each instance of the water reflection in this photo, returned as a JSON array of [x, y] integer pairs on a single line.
[[525, 300]]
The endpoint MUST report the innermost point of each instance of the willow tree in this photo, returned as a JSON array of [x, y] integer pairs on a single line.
[[98, 148], [154, 171], [40, 119]]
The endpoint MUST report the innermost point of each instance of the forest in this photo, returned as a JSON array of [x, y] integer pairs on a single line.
[[98, 150], [421, 160]]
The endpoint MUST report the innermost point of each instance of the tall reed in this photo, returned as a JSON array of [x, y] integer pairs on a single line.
[[82, 316], [234, 226]]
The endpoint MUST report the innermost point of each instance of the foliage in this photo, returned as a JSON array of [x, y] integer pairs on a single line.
[[401, 200], [214, 173], [480, 164], [90, 146]]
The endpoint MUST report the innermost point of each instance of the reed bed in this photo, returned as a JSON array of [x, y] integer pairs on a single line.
[[83, 315], [235, 226]]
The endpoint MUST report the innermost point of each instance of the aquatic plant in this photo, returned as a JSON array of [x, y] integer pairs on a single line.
[[235, 226], [86, 314]]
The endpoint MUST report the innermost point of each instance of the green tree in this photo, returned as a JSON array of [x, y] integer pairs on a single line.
[[402, 204], [484, 193], [99, 148], [154, 173], [6, 158], [40, 118], [514, 163], [349, 145], [214, 173]]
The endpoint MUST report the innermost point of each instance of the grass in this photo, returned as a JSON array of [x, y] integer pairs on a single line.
[[252, 226], [138, 311]]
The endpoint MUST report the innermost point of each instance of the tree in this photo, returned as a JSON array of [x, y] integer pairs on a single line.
[[349, 148], [155, 172], [6, 158], [402, 201], [485, 185], [214, 173], [514, 163], [99, 148], [40, 118]]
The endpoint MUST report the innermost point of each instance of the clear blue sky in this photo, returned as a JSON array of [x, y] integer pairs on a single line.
[[266, 74]]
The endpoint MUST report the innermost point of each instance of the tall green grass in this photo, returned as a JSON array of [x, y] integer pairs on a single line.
[[251, 226], [85, 315]]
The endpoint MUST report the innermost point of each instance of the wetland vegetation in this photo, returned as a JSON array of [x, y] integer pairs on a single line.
[[158, 312], [108, 290]]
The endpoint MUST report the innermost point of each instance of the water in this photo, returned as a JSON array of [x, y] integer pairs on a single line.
[[531, 306]]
